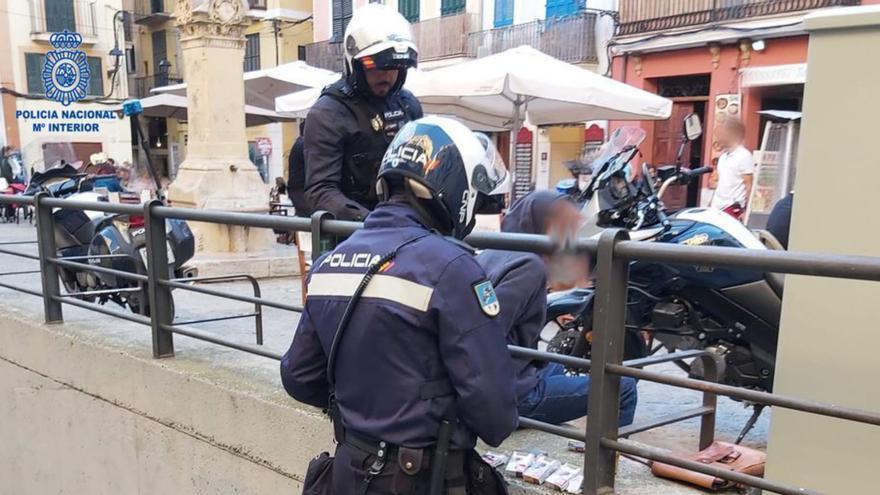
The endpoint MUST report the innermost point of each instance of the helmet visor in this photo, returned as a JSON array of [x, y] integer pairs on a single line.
[[490, 176]]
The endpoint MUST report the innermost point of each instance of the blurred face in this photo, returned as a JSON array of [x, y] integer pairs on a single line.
[[381, 81], [564, 220], [727, 137], [565, 270]]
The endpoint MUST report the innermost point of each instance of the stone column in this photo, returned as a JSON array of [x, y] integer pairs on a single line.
[[217, 173]]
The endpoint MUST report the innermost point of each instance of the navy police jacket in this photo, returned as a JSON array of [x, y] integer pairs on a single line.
[[422, 342]]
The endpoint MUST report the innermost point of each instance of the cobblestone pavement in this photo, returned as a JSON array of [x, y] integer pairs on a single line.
[[654, 400]]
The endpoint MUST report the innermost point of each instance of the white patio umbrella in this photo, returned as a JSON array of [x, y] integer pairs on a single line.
[[261, 87], [174, 107], [299, 103], [524, 83]]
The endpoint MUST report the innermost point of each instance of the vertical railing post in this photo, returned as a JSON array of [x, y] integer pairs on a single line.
[[609, 319], [161, 302], [711, 367], [320, 242], [47, 250]]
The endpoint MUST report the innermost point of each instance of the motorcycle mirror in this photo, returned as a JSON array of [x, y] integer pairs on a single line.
[[692, 127]]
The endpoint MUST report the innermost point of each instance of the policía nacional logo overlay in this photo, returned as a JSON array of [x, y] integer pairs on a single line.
[[66, 72]]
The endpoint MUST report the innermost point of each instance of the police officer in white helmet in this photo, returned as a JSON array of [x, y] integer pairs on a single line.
[[352, 123]]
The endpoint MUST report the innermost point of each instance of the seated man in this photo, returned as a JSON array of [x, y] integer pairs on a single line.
[[544, 391]]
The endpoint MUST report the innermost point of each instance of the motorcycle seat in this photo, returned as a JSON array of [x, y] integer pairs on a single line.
[[776, 281], [573, 302]]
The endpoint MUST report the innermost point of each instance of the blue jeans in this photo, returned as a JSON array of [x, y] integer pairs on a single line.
[[559, 398]]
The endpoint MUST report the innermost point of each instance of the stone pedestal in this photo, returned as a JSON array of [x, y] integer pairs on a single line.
[[217, 174]]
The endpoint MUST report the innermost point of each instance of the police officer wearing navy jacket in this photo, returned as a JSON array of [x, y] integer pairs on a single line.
[[423, 342], [351, 125]]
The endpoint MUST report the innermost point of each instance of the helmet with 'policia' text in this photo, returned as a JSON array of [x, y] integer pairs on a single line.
[[444, 168]]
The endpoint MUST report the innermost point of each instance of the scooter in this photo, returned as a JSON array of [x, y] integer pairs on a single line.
[[733, 313], [106, 240]]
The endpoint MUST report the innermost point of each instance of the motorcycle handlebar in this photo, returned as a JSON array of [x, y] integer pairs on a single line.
[[697, 171]]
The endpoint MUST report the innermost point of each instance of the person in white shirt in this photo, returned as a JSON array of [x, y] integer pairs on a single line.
[[735, 171]]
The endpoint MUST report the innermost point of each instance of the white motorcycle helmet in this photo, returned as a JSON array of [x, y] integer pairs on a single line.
[[445, 167], [378, 37]]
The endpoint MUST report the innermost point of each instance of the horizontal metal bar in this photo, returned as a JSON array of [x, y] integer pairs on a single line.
[[99, 269], [234, 218], [562, 431], [570, 361], [219, 318], [15, 199], [820, 265], [102, 206], [214, 278], [22, 289], [658, 455], [235, 297], [142, 320], [851, 414], [207, 337], [685, 415], [24, 272], [665, 358], [101, 292], [16, 243], [20, 255], [97, 256]]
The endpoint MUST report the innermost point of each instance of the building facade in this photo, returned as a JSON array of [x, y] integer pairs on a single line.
[[715, 58], [278, 32], [26, 28], [452, 31]]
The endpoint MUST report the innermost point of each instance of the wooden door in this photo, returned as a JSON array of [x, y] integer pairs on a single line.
[[667, 139]]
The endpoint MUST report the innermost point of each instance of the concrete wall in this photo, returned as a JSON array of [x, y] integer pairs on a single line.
[[829, 327], [81, 416]]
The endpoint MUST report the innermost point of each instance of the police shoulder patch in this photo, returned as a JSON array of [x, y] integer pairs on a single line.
[[487, 298]]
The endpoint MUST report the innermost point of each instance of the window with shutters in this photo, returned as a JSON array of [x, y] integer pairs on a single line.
[[341, 15], [562, 8], [96, 76], [252, 52], [452, 7], [59, 15], [503, 13], [409, 9], [34, 65]]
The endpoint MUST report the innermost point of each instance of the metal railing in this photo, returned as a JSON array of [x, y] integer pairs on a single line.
[[437, 38], [571, 38], [143, 84], [612, 251], [640, 16], [444, 37]]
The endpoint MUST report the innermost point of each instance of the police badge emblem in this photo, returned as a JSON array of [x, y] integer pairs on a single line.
[[487, 298], [66, 71]]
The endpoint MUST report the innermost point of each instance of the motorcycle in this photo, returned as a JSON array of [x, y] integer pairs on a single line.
[[732, 313], [106, 240]]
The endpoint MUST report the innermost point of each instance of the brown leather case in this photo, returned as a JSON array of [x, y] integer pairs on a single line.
[[721, 455]]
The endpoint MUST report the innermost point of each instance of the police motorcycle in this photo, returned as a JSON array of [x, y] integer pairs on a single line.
[[733, 313], [106, 240]]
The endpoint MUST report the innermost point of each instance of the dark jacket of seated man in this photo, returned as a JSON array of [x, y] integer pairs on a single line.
[[544, 391]]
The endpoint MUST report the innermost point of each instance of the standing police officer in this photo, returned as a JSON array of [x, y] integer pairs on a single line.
[[350, 126], [422, 348]]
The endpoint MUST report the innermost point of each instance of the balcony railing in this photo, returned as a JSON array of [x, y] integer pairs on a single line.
[[152, 11], [143, 84], [437, 38], [639, 16], [82, 20], [325, 55], [572, 38], [444, 37]]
